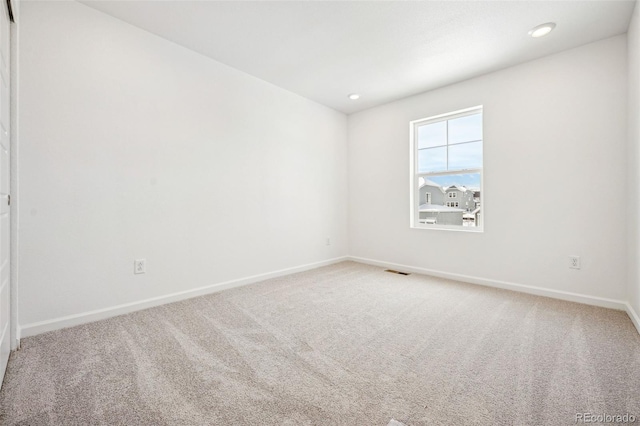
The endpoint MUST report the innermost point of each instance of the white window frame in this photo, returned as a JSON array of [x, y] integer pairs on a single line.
[[415, 175], [451, 194], [427, 197]]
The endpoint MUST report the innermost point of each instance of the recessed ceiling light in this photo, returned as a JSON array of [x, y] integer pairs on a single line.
[[542, 30], [354, 96]]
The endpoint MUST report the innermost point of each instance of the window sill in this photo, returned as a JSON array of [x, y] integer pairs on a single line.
[[476, 230]]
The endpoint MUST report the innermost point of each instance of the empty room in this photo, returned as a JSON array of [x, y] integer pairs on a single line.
[[394, 213]]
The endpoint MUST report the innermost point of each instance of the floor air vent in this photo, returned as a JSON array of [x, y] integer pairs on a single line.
[[397, 272]]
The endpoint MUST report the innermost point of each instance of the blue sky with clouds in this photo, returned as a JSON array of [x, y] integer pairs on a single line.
[[451, 145], [470, 180]]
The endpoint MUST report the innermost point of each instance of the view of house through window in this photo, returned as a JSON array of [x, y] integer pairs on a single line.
[[447, 170]]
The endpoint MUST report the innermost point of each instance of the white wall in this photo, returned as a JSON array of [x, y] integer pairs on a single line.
[[133, 147], [633, 50], [555, 173]]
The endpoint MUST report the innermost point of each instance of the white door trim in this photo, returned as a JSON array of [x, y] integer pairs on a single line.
[[13, 189]]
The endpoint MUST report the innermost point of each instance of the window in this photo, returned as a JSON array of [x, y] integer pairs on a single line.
[[447, 151], [427, 198]]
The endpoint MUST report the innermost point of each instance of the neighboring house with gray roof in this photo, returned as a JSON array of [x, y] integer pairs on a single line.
[[431, 192], [454, 205], [459, 197]]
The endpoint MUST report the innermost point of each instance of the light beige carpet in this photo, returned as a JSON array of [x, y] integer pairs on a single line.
[[347, 344]]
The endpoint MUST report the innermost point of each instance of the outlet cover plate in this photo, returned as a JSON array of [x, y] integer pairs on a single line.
[[574, 262], [139, 266]]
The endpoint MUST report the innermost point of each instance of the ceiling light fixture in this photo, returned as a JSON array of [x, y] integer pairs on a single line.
[[354, 96], [542, 29]]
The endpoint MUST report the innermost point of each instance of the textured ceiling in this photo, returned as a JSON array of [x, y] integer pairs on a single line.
[[382, 50]]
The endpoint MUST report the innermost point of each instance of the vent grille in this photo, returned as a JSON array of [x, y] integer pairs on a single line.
[[397, 272]]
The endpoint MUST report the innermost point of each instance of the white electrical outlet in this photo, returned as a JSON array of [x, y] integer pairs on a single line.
[[139, 266], [328, 241], [574, 262]]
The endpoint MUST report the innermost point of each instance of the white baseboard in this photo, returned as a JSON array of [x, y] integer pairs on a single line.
[[87, 317], [100, 314], [538, 291], [635, 318]]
